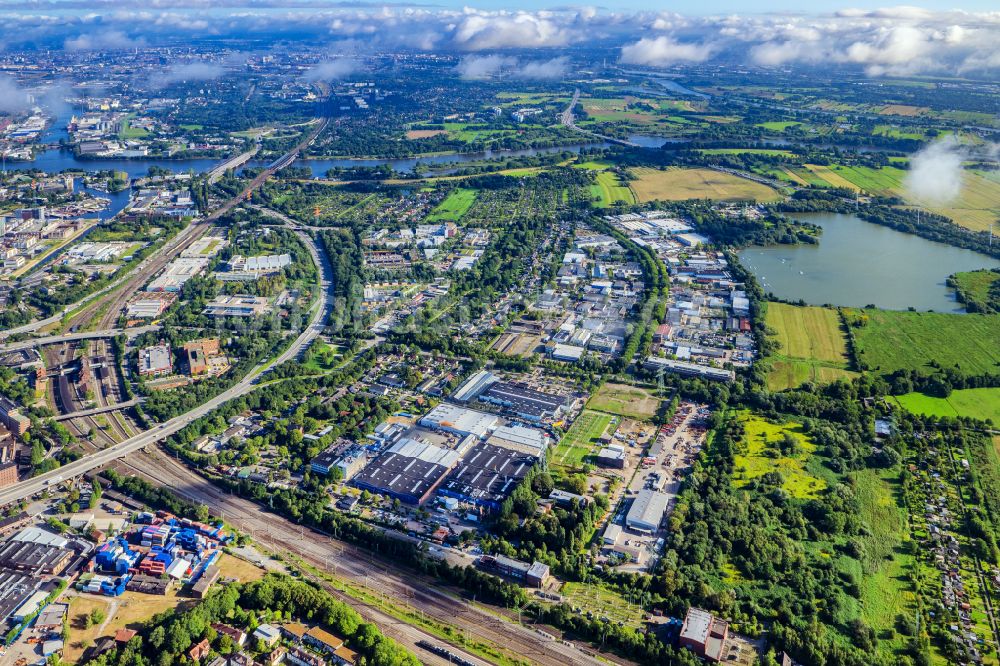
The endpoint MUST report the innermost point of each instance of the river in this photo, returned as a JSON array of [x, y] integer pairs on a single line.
[[56, 160], [857, 263]]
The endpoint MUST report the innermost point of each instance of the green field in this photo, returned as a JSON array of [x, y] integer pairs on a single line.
[[888, 340], [580, 439], [129, 132], [978, 284], [779, 125], [624, 400], [979, 403], [811, 346], [321, 357], [191, 128], [455, 205], [608, 189], [885, 588], [771, 152], [602, 602], [976, 208], [758, 454]]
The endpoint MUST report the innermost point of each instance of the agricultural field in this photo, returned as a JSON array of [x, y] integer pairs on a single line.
[[902, 110], [681, 184], [424, 133], [624, 400], [580, 440], [978, 403], [976, 208], [608, 189], [760, 453], [455, 205], [889, 340], [812, 346]]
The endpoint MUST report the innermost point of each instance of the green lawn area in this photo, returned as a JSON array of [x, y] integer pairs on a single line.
[[455, 205], [771, 152], [580, 439], [977, 284], [759, 454], [129, 132], [321, 357], [779, 125], [608, 189], [885, 588], [191, 128], [889, 340], [602, 602], [811, 346], [979, 403], [625, 400]]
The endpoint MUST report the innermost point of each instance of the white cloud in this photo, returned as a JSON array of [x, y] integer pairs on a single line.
[[12, 98], [332, 70], [935, 175], [189, 71], [487, 66], [473, 68], [103, 40], [479, 31], [662, 51], [545, 70]]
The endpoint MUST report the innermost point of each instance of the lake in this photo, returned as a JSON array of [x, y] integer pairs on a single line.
[[857, 263]]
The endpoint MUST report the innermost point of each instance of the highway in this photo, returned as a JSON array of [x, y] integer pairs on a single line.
[[99, 410], [568, 119], [24, 489], [79, 335], [321, 309]]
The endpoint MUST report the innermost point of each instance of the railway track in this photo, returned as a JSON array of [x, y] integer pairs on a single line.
[[361, 567]]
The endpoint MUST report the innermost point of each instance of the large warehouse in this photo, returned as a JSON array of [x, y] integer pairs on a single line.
[[460, 421], [528, 403], [408, 471], [646, 512], [487, 475]]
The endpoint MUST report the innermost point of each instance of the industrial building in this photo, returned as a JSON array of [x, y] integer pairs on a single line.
[[236, 306], [460, 421], [155, 361], [657, 363], [34, 558], [647, 510], [245, 269], [472, 387], [13, 419], [704, 634], [528, 403], [535, 574], [612, 456], [408, 471], [487, 475], [520, 438], [15, 589]]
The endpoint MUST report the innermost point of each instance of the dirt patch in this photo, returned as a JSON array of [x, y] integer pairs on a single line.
[[424, 134]]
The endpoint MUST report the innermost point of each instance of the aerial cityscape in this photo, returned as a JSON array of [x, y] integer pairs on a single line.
[[345, 333]]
